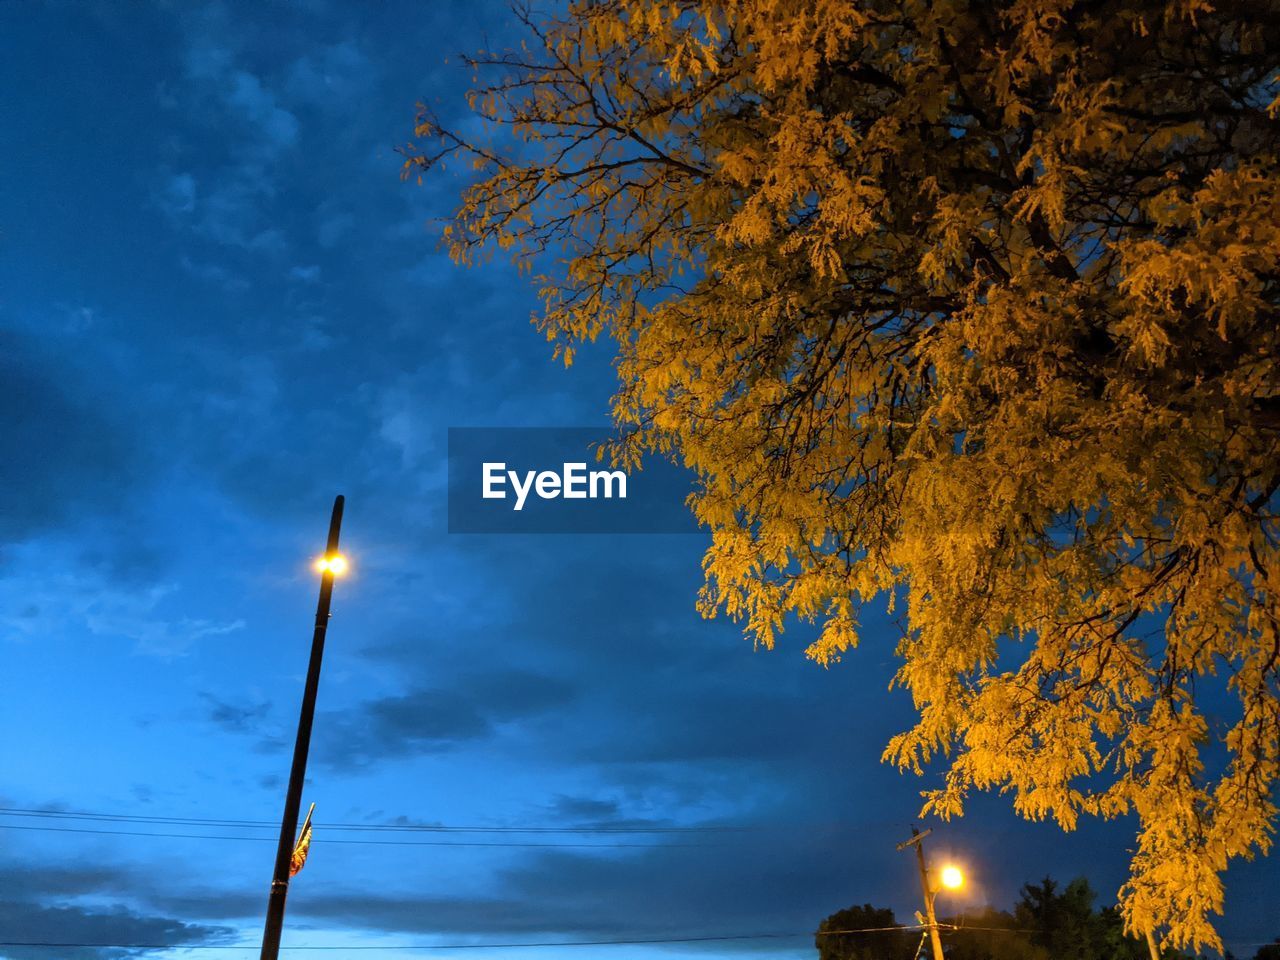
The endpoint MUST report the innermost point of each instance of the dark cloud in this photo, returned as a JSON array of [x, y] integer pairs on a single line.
[[784, 883], [434, 719], [784, 878], [45, 881], [26, 922], [63, 448], [421, 721], [41, 882], [658, 684], [674, 717], [206, 904], [30, 913], [583, 809], [700, 723], [606, 815], [236, 718], [246, 718]]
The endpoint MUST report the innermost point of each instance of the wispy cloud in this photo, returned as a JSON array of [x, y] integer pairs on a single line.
[[214, 273], [229, 200], [247, 98], [332, 76], [83, 602], [177, 194]]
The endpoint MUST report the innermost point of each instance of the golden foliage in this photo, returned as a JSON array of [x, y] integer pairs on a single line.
[[969, 304]]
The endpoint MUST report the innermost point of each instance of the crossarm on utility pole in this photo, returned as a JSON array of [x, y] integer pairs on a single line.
[[931, 921]]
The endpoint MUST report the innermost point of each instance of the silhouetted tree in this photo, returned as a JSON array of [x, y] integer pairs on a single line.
[[876, 944], [990, 935], [1063, 919], [1049, 922], [1115, 944]]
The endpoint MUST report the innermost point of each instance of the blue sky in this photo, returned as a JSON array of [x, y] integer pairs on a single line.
[[220, 306]]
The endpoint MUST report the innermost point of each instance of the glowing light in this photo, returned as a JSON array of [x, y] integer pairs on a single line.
[[952, 878], [335, 564]]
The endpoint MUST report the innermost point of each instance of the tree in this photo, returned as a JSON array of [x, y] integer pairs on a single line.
[[969, 306], [1270, 951], [991, 935], [1064, 923], [1049, 921], [1115, 944], [883, 938]]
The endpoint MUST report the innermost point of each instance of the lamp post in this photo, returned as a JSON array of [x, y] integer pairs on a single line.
[[330, 566], [951, 879]]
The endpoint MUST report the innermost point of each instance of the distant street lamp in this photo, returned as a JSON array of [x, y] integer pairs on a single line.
[[332, 564], [951, 877]]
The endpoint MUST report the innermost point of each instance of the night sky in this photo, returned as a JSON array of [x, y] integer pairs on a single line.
[[219, 307]]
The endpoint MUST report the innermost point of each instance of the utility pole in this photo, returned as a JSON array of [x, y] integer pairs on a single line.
[[931, 921], [329, 566]]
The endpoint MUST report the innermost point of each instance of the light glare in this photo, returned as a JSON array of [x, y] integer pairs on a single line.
[[335, 564], [952, 878]]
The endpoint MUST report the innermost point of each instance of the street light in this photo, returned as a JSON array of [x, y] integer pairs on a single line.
[[331, 565], [950, 877], [334, 563]]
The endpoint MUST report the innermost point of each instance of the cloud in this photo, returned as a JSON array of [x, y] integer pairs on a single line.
[[781, 884], [246, 96], [247, 719], [236, 718], [115, 611], [232, 210], [177, 194], [234, 213], [26, 922], [242, 129], [430, 720], [61, 449], [134, 616], [332, 224], [205, 58], [37, 904], [331, 77], [215, 273], [214, 71], [590, 810]]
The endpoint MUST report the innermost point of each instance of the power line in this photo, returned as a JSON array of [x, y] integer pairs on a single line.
[[389, 843], [457, 946], [394, 827], [535, 944]]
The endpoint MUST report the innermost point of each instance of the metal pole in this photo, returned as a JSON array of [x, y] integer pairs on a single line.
[[298, 773], [931, 921]]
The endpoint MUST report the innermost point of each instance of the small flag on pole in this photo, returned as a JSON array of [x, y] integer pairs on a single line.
[[303, 846]]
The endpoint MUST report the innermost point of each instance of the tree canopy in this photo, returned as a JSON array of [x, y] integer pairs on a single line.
[[864, 933], [969, 306], [1049, 922]]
